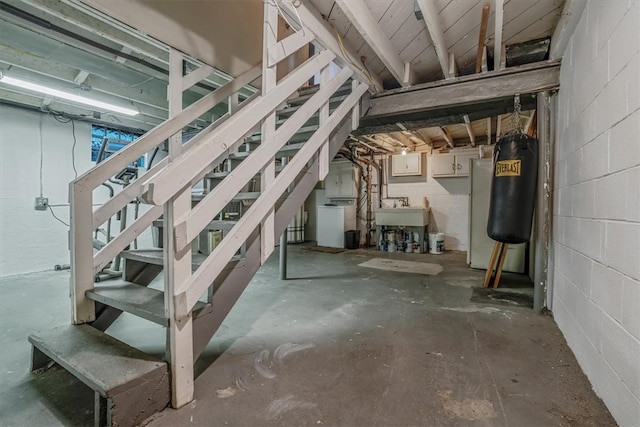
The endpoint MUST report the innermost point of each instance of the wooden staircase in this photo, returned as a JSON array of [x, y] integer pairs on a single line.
[[270, 171]]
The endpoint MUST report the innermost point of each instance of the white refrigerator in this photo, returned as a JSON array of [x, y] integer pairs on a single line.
[[332, 222], [480, 244]]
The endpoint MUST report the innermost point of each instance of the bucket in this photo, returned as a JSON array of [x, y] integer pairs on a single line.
[[436, 243], [392, 247], [391, 236]]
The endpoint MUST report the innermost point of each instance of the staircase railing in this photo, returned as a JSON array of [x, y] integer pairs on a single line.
[[167, 186], [84, 264]]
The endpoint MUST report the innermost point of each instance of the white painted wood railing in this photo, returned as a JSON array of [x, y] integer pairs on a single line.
[[84, 264], [167, 186]]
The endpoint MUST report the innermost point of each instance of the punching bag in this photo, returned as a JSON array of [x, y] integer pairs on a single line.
[[513, 189]]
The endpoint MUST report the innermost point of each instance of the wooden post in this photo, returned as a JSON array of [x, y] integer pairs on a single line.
[[81, 240], [269, 76], [324, 116], [177, 265], [482, 35]]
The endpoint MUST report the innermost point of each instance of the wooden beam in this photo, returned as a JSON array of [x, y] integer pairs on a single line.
[[362, 19], [465, 90], [483, 35], [288, 46], [467, 125], [326, 36], [497, 45], [453, 69], [446, 136], [196, 76], [430, 13], [177, 264], [485, 65], [124, 239], [571, 13]]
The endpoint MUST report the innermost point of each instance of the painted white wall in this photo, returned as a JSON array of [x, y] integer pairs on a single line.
[[596, 236], [34, 240], [449, 203]]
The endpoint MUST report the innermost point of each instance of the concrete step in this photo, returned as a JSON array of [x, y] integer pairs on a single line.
[[129, 385], [138, 300]]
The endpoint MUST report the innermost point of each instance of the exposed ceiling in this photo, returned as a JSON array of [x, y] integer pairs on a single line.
[[68, 45]]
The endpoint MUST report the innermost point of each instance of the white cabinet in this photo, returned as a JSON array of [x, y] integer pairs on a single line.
[[340, 182], [406, 164], [451, 164]]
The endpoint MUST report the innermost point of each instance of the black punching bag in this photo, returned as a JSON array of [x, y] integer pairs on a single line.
[[513, 189]]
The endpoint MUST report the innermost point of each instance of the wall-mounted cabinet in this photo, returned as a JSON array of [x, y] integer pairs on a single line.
[[406, 164], [451, 164], [340, 182]]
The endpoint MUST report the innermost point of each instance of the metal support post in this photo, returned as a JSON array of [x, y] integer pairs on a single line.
[[543, 194], [283, 255]]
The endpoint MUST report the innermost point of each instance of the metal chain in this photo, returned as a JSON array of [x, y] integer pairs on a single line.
[[515, 117]]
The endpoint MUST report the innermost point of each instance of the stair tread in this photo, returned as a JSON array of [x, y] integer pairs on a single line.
[[249, 195], [154, 256], [140, 300], [295, 107], [223, 225], [100, 361]]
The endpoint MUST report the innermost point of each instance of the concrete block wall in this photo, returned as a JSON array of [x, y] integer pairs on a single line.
[[596, 233]]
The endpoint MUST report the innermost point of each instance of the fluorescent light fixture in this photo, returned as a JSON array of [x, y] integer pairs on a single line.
[[404, 151], [68, 96]]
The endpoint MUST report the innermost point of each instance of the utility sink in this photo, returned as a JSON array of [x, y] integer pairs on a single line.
[[414, 217]]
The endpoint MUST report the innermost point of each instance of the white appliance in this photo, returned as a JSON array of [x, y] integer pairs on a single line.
[[332, 222], [480, 244]]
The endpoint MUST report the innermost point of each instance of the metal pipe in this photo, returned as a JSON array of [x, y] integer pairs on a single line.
[[543, 195]]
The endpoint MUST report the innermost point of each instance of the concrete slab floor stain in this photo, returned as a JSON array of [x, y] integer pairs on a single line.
[[337, 344]]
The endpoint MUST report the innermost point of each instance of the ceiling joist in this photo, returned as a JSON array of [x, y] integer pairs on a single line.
[[430, 13], [362, 19], [497, 45], [467, 125]]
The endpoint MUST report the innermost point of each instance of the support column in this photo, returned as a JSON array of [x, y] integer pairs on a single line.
[[177, 264], [543, 194], [283, 255]]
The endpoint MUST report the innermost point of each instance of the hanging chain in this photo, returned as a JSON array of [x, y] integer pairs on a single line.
[[515, 117]]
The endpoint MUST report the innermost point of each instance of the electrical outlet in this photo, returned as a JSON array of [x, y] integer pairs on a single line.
[[41, 203]]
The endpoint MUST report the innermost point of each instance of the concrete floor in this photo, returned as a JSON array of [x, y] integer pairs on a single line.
[[337, 344]]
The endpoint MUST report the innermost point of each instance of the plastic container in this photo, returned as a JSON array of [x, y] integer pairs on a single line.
[[392, 247], [352, 239], [436, 243]]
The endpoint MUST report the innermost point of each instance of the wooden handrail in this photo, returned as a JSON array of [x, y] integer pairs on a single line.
[[179, 173], [105, 170], [124, 239], [188, 293], [210, 206]]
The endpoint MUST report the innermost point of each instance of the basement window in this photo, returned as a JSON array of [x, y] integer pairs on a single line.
[[116, 140]]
